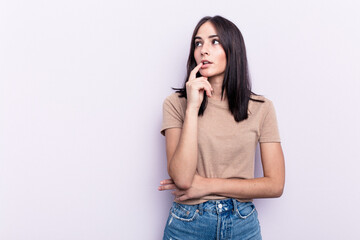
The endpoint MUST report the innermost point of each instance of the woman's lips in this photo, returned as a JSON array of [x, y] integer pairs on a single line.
[[205, 65]]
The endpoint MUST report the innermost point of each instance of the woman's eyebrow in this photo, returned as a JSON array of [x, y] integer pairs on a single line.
[[211, 36]]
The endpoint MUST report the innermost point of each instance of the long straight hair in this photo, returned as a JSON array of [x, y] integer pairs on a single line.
[[236, 77]]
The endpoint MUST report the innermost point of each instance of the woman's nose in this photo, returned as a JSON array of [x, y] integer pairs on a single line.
[[204, 50]]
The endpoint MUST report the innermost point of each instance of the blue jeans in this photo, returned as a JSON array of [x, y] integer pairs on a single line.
[[213, 220]]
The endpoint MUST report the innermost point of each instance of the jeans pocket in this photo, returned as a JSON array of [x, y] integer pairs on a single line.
[[245, 209], [184, 212]]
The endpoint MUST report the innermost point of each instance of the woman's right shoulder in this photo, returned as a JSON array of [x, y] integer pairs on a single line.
[[175, 100]]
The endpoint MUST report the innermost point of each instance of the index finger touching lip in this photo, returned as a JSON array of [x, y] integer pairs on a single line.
[[195, 70]]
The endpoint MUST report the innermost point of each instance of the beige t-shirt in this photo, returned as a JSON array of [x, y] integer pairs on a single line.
[[226, 149]]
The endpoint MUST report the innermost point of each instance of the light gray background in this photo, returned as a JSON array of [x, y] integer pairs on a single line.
[[81, 90]]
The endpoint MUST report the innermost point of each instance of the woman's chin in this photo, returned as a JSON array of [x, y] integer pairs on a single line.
[[205, 74]]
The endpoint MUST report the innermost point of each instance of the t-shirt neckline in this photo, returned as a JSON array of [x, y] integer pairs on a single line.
[[219, 103]]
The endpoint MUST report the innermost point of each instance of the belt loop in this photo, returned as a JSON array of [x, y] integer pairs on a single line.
[[201, 207], [234, 205]]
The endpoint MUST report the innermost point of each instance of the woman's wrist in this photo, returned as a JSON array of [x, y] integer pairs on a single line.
[[209, 185], [192, 110]]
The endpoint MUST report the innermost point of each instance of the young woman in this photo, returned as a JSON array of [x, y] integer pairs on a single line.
[[212, 126]]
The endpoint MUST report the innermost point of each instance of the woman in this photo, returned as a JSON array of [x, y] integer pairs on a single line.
[[212, 126]]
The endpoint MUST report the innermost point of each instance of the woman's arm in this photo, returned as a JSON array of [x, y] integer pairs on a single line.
[[182, 146], [269, 186], [182, 150]]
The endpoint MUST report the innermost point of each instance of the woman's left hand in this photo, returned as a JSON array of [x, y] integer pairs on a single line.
[[198, 189]]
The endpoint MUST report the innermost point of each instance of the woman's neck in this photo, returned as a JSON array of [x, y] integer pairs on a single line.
[[216, 83]]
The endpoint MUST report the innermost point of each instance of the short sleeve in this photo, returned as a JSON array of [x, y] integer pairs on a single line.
[[269, 131], [172, 114]]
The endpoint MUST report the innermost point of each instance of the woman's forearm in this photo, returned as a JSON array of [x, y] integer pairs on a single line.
[[264, 187], [183, 164]]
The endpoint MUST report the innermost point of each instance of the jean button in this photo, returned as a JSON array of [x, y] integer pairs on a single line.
[[220, 205]]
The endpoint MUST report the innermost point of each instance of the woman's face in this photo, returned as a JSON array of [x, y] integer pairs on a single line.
[[208, 47]]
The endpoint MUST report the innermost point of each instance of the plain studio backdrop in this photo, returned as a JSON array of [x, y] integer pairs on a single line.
[[81, 90]]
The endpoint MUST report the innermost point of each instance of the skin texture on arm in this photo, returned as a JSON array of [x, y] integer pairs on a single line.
[[182, 150], [269, 186], [182, 145]]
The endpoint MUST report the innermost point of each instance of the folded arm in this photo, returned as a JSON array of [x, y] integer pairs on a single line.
[[269, 186]]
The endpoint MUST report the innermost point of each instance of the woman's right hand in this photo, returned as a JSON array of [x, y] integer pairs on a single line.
[[195, 88]]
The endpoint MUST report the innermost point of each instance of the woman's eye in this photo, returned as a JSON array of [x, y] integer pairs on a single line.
[[197, 44], [216, 41]]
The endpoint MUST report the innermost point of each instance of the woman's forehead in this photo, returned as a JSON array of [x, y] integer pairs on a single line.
[[206, 30]]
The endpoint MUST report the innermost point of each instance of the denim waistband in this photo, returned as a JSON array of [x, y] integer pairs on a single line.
[[222, 205]]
